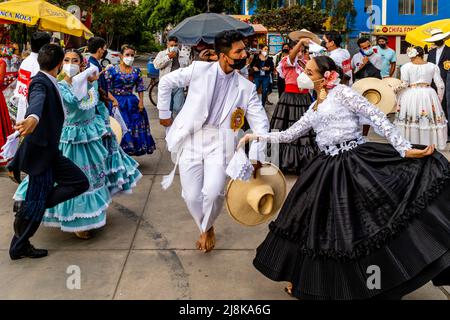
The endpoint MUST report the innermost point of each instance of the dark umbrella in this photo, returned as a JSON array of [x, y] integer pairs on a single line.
[[206, 26]]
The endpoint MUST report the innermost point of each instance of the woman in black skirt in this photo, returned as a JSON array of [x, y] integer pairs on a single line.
[[358, 206], [293, 103]]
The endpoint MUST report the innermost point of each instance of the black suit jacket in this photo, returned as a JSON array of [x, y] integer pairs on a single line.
[[39, 149], [445, 56]]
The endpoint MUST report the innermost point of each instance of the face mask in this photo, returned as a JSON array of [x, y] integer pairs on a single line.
[[105, 54], [439, 43], [382, 46], [368, 52], [128, 61], [238, 63], [173, 49], [285, 50], [305, 82], [71, 70], [264, 53]]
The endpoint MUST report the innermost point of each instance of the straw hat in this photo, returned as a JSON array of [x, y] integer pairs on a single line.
[[115, 126], [437, 35], [393, 83], [377, 92], [256, 201], [297, 35]]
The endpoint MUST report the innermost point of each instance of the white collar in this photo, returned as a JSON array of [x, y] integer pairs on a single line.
[[52, 78], [221, 74]]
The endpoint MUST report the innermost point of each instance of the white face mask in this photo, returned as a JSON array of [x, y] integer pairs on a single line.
[[173, 49], [305, 82], [128, 61], [264, 53], [70, 69]]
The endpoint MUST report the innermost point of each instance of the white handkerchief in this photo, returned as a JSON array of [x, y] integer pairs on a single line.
[[79, 82], [10, 148], [240, 167]]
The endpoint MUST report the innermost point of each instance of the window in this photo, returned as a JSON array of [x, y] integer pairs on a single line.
[[367, 4], [406, 7], [430, 7]]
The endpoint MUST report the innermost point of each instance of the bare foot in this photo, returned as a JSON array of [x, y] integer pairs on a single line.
[[210, 240], [85, 235], [288, 289], [207, 241]]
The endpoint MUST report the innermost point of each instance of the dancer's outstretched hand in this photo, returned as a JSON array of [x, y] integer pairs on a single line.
[[245, 139], [27, 126], [418, 153]]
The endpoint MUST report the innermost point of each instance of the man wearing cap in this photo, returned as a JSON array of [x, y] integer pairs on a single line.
[[440, 56], [203, 137], [389, 57]]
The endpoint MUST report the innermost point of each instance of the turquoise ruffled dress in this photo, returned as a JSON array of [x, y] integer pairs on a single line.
[[82, 142], [122, 170]]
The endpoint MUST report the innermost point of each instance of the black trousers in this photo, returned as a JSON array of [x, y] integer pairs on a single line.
[[446, 103], [70, 182]]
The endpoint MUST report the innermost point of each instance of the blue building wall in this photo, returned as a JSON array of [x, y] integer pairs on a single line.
[[393, 17]]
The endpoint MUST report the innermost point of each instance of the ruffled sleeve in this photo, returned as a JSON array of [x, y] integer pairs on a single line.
[[297, 130], [139, 81], [378, 120]]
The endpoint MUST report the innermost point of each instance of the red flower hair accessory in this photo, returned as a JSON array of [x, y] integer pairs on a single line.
[[331, 79]]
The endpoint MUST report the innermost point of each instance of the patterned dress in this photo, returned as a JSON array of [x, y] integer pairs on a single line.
[[138, 140]]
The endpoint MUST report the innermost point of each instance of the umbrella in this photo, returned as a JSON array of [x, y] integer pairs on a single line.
[[206, 26], [47, 16], [416, 36]]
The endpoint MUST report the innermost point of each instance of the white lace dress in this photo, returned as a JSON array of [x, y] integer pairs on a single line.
[[420, 117], [338, 123]]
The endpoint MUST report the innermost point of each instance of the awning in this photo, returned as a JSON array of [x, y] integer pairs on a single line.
[[259, 28]]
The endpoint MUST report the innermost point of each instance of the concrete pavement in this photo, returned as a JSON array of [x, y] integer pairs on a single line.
[[146, 251]]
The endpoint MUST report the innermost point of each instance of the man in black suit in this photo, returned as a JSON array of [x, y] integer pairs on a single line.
[[52, 177], [440, 56]]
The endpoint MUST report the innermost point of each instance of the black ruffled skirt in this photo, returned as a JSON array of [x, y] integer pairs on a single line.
[[364, 207], [295, 155]]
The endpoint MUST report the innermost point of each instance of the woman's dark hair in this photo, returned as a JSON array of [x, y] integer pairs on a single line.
[[126, 47], [95, 43], [75, 51], [325, 63], [223, 42], [335, 37], [50, 56], [420, 51]]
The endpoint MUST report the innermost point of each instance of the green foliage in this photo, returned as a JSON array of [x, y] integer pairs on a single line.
[[287, 19]]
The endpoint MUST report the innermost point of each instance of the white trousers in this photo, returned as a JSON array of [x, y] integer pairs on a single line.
[[202, 173]]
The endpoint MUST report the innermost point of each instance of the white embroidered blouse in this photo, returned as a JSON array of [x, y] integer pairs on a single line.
[[339, 119]]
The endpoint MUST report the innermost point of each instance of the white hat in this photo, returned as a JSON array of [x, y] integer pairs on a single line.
[[437, 35]]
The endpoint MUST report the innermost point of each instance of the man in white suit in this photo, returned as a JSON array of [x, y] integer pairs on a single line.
[[204, 135]]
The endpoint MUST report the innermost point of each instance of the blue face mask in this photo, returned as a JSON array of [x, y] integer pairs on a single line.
[[367, 52]]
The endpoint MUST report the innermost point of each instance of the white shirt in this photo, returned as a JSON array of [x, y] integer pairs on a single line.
[[338, 119], [221, 88], [342, 59], [439, 51]]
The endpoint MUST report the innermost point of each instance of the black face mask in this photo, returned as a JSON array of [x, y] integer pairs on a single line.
[[238, 63], [285, 50], [439, 43], [323, 43], [105, 54], [382, 46]]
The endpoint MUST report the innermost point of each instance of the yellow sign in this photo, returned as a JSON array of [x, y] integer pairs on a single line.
[[393, 30]]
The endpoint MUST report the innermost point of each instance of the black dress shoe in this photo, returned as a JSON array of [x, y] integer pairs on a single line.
[[17, 206], [30, 252]]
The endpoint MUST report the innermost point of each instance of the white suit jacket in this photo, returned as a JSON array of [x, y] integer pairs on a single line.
[[200, 77]]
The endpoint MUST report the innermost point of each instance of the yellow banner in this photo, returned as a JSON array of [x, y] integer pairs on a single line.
[[393, 30]]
